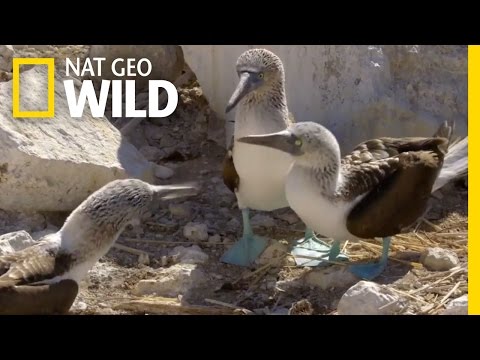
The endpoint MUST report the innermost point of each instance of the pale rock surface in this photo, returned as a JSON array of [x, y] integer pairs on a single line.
[[273, 254], [167, 62], [54, 164], [189, 255], [357, 91], [368, 298], [330, 277], [15, 241], [438, 259], [458, 306], [195, 231], [176, 280], [6, 55]]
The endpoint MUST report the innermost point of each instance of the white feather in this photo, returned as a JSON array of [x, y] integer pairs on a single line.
[[262, 171], [455, 164], [319, 213]]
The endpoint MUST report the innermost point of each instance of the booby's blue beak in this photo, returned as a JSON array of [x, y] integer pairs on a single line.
[[284, 141], [249, 81]]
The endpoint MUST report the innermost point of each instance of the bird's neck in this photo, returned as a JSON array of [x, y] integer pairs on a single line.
[[83, 236], [321, 171], [263, 112]]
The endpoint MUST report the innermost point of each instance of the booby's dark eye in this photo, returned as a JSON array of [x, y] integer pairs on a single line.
[[260, 75]]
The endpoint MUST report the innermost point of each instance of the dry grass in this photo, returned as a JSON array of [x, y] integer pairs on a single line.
[[426, 291]]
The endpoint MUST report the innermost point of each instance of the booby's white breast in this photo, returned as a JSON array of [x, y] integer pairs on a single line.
[[324, 216], [262, 170], [262, 173]]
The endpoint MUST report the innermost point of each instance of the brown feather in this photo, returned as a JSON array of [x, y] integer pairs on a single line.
[[38, 300], [373, 161], [366, 176], [399, 200], [35, 263], [230, 175], [398, 175]]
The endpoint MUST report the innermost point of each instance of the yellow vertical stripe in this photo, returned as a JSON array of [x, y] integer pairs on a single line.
[[473, 174]]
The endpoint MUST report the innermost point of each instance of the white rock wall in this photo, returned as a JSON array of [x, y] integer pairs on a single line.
[[357, 91]]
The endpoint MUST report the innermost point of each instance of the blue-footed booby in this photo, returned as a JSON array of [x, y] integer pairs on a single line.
[[257, 174], [377, 190], [44, 278]]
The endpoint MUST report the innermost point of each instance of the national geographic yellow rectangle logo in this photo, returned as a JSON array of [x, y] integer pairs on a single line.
[[50, 112]]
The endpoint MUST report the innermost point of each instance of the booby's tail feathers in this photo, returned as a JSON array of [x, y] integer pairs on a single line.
[[455, 164], [446, 130]]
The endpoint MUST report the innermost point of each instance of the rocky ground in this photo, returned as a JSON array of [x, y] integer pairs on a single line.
[[171, 263]]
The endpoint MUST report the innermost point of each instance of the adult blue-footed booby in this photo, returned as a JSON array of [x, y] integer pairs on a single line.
[[377, 190], [257, 174], [44, 278]]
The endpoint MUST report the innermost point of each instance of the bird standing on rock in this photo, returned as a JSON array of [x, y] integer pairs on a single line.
[[377, 190], [44, 278], [257, 174]]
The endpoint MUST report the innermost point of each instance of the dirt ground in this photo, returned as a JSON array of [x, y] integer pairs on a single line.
[[268, 287], [119, 272]]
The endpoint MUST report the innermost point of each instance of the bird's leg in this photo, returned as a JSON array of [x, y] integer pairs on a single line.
[[314, 251], [423, 220], [246, 250], [334, 251], [310, 236], [371, 271]]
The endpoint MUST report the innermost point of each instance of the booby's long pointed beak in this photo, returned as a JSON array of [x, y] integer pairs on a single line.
[[283, 141], [167, 192], [245, 85]]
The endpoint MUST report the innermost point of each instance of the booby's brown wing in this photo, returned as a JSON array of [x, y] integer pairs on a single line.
[[386, 147], [397, 175], [230, 175], [38, 300], [374, 160], [35, 263]]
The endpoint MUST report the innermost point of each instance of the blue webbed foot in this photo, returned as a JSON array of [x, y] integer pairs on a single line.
[[372, 270], [246, 250], [312, 251]]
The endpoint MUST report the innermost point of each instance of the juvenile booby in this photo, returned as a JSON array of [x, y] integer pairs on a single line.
[[256, 174], [44, 278], [375, 191]]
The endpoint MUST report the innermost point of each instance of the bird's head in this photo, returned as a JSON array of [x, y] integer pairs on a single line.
[[302, 140], [124, 201], [258, 70]]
